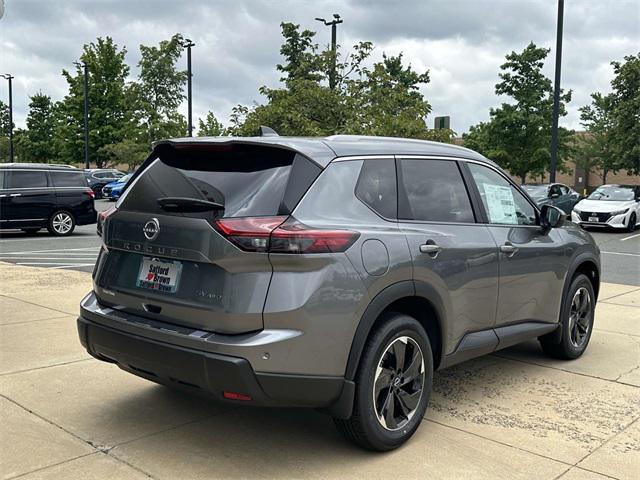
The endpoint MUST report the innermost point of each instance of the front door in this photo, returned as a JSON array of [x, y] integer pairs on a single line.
[[451, 253], [533, 262]]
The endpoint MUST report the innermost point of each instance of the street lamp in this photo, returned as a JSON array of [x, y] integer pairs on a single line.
[[556, 95], [83, 65], [9, 77], [188, 44], [336, 20]]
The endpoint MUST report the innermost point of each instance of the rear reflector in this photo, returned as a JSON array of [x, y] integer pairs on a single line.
[[236, 396], [275, 235]]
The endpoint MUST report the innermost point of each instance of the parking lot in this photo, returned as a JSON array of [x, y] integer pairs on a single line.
[[514, 414]]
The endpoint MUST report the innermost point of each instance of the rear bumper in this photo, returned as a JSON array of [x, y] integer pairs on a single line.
[[213, 374]]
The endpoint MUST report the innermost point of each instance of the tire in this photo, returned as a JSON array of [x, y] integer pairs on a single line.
[[365, 428], [632, 223], [61, 223], [576, 322], [30, 231]]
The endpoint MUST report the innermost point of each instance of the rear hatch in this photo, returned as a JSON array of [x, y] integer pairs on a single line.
[[168, 254]]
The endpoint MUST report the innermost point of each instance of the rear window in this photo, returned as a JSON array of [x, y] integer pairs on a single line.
[[68, 179], [248, 181], [27, 179]]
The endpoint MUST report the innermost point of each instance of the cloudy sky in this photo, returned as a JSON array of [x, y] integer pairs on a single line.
[[461, 42]]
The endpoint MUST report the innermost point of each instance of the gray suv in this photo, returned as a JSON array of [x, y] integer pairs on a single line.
[[334, 273]]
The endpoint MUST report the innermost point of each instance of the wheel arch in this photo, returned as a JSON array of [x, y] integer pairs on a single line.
[[419, 300]]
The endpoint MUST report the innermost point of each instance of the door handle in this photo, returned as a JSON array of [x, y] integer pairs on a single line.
[[430, 248], [508, 249]]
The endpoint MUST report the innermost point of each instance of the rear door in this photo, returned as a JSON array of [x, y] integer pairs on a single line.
[[29, 198], [451, 252], [179, 264]]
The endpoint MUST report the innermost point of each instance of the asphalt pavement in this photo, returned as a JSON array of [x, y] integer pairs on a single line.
[[620, 250]]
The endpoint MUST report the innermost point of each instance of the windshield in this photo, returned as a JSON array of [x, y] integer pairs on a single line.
[[536, 190], [612, 193]]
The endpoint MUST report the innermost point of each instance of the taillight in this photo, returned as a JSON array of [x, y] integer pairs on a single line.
[[90, 192], [102, 217], [275, 235], [249, 233]]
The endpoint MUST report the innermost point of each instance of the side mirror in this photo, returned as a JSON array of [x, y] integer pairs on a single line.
[[551, 217]]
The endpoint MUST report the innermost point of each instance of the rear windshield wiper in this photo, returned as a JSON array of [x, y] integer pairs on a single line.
[[186, 204]]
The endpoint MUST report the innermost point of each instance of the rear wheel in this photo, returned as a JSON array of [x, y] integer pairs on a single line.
[[393, 385], [632, 223], [576, 322], [61, 223]]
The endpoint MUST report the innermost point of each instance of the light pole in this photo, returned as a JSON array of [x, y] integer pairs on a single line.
[[336, 20], [86, 111], [188, 44], [9, 77], [556, 95]]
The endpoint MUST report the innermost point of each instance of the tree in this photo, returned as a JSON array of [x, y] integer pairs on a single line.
[[625, 131], [4, 132], [518, 134], [38, 140], [109, 112], [159, 91], [127, 152], [382, 100], [210, 127], [596, 148]]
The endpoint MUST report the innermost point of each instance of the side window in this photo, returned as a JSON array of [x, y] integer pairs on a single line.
[[555, 190], [433, 191], [68, 179], [27, 179], [564, 190], [503, 203], [1, 179], [376, 187]]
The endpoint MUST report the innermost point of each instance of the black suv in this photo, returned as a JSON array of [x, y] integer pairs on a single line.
[[34, 196]]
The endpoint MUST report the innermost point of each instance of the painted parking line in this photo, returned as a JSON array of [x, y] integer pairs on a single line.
[[624, 254], [629, 238], [61, 250]]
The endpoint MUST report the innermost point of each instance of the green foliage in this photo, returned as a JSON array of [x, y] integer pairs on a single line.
[[110, 114], [210, 127], [38, 139], [127, 152], [159, 92], [4, 132], [596, 150], [625, 132], [384, 99], [518, 134]]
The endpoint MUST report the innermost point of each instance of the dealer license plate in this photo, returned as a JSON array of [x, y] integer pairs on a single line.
[[159, 274]]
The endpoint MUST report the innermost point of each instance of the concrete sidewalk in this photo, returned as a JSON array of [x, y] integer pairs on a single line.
[[515, 414]]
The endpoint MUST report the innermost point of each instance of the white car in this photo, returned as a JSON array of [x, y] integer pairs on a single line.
[[616, 206]]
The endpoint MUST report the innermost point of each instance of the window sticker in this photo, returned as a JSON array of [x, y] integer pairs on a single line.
[[501, 205]]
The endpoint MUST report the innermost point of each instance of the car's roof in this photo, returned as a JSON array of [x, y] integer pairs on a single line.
[[38, 166], [324, 149]]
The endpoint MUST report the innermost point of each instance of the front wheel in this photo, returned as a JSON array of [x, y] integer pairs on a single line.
[[632, 223], [576, 322], [393, 385], [61, 223]]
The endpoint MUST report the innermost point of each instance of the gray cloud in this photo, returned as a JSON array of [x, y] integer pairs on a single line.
[[461, 42]]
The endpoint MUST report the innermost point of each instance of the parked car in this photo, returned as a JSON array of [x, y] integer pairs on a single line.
[[113, 189], [40, 196], [336, 273], [615, 206], [99, 177], [555, 194]]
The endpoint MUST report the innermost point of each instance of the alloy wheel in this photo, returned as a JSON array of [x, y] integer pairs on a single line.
[[580, 317], [62, 223], [398, 383]]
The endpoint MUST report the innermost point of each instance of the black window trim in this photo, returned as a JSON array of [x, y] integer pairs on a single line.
[[476, 212], [477, 198], [6, 178], [355, 188]]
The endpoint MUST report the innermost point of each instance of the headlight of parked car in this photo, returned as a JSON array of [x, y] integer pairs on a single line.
[[619, 212], [577, 210]]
